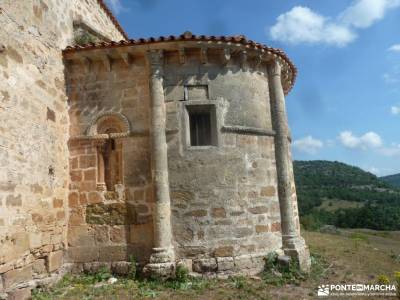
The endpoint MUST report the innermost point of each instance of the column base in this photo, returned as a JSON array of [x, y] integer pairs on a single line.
[[296, 248], [161, 265]]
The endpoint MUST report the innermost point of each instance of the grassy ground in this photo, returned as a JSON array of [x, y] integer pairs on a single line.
[[354, 256]]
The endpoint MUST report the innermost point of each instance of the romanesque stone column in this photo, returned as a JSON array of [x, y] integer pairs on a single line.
[[293, 243], [101, 182], [162, 261]]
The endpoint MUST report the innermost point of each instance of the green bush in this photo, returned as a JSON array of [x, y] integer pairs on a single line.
[[84, 38], [278, 274], [132, 272], [181, 273]]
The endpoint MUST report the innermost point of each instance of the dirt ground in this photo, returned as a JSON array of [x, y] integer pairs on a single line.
[[353, 256]]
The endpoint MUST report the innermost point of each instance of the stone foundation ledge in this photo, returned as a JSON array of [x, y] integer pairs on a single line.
[[117, 267], [216, 267], [223, 267], [23, 290]]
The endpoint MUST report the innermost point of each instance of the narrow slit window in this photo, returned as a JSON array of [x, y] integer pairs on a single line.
[[200, 128], [201, 125]]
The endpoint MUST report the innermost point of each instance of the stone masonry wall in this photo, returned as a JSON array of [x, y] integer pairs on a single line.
[[224, 198], [225, 208], [34, 133], [108, 227]]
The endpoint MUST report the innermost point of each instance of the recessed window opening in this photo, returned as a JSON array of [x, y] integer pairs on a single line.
[[202, 131], [112, 164]]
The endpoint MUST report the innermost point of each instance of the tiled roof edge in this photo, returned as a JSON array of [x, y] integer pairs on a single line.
[[113, 19], [187, 36]]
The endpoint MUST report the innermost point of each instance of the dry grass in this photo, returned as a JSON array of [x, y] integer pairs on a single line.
[[354, 256]]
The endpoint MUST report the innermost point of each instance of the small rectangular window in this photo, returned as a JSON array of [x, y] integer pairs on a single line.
[[202, 125], [200, 128]]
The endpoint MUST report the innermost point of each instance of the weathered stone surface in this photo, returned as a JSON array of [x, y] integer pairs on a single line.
[[268, 191], [12, 200], [223, 251], [197, 213], [243, 232], [34, 180], [39, 266], [275, 227], [58, 203], [218, 212], [262, 228], [118, 234], [205, 265], [73, 199], [221, 194], [79, 236], [101, 234], [109, 214], [54, 261], [120, 268], [20, 294], [82, 254], [225, 264], [113, 253], [93, 267], [16, 276]]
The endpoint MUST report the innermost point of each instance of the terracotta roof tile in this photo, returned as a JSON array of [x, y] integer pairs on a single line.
[[187, 36]]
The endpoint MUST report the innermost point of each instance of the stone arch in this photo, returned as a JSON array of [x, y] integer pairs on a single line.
[[109, 149], [109, 122]]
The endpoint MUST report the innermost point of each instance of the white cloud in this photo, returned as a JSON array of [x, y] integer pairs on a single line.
[[366, 141], [363, 13], [393, 151], [395, 110], [394, 48], [391, 77], [308, 145], [115, 5], [302, 25]]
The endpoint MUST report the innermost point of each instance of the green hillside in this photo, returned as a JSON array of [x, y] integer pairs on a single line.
[[393, 180], [346, 196]]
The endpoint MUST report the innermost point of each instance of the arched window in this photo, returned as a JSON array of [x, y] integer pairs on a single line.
[[109, 151]]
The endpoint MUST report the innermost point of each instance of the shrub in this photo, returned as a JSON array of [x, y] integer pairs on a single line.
[[102, 275], [84, 38], [397, 279], [383, 279], [280, 274], [181, 273], [132, 272]]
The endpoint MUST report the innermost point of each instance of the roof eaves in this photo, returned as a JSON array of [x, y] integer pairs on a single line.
[[113, 18]]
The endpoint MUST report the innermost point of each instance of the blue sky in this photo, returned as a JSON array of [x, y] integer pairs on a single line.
[[345, 105]]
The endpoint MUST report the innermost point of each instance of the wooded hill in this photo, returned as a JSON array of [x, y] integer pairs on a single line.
[[345, 196], [393, 180]]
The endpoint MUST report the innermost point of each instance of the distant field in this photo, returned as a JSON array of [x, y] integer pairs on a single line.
[[358, 255], [353, 256]]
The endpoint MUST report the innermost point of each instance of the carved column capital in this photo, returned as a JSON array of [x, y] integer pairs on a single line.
[[227, 55], [100, 144], [275, 68], [156, 62], [243, 58]]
